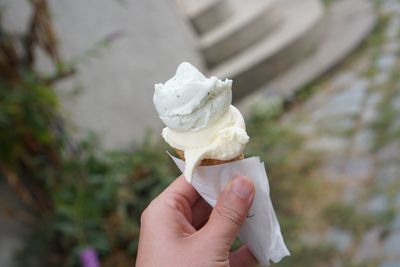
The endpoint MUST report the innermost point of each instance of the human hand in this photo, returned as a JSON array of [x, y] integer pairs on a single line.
[[179, 228]]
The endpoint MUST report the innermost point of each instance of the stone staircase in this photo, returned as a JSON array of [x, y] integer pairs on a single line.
[[250, 22], [206, 14], [255, 40]]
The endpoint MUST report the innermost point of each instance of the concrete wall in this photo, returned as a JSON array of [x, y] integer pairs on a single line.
[[116, 100]]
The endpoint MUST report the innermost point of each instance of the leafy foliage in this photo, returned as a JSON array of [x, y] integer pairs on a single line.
[[97, 202]]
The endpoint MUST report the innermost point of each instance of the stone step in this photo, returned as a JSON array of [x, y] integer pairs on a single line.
[[205, 14], [251, 21], [298, 34], [350, 22]]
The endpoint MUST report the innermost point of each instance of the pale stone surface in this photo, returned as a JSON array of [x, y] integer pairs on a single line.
[[390, 263], [392, 29], [374, 99], [391, 246], [396, 103], [396, 221], [11, 230], [343, 79], [363, 142], [391, 46], [359, 168], [389, 152], [349, 23], [240, 30], [380, 79], [206, 14], [306, 129], [377, 203], [369, 248], [352, 191], [299, 31], [394, 128], [327, 143], [386, 61], [9, 244], [339, 125], [347, 102], [397, 203], [118, 85], [331, 167], [387, 173], [340, 238], [369, 115], [391, 6]]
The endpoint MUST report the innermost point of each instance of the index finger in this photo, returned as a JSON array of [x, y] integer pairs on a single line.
[[182, 187]]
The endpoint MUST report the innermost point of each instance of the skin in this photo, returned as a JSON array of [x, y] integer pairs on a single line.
[[179, 228]]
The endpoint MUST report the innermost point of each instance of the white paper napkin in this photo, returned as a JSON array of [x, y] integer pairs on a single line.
[[261, 231]]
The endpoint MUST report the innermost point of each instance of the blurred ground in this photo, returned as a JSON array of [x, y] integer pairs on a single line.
[[11, 231], [115, 84], [355, 118]]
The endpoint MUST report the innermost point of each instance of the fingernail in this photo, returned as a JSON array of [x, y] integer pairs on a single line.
[[242, 187]]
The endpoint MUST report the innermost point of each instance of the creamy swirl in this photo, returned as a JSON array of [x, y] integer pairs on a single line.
[[191, 102], [226, 139]]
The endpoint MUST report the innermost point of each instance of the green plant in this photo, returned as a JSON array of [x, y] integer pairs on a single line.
[[29, 122]]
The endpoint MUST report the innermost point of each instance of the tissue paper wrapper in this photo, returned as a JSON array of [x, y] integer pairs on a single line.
[[261, 231]]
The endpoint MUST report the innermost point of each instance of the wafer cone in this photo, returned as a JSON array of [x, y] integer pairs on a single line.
[[210, 162]]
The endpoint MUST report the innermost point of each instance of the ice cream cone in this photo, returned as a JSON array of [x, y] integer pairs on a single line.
[[200, 119], [210, 162]]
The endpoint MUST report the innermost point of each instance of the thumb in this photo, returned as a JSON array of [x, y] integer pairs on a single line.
[[229, 213]]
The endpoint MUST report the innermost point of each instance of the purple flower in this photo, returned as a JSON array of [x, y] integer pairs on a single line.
[[89, 258]]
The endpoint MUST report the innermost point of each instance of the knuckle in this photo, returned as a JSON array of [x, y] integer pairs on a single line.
[[230, 214], [170, 201], [173, 200], [178, 202]]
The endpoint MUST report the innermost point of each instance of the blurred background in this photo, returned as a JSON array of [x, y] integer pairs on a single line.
[[80, 148]]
